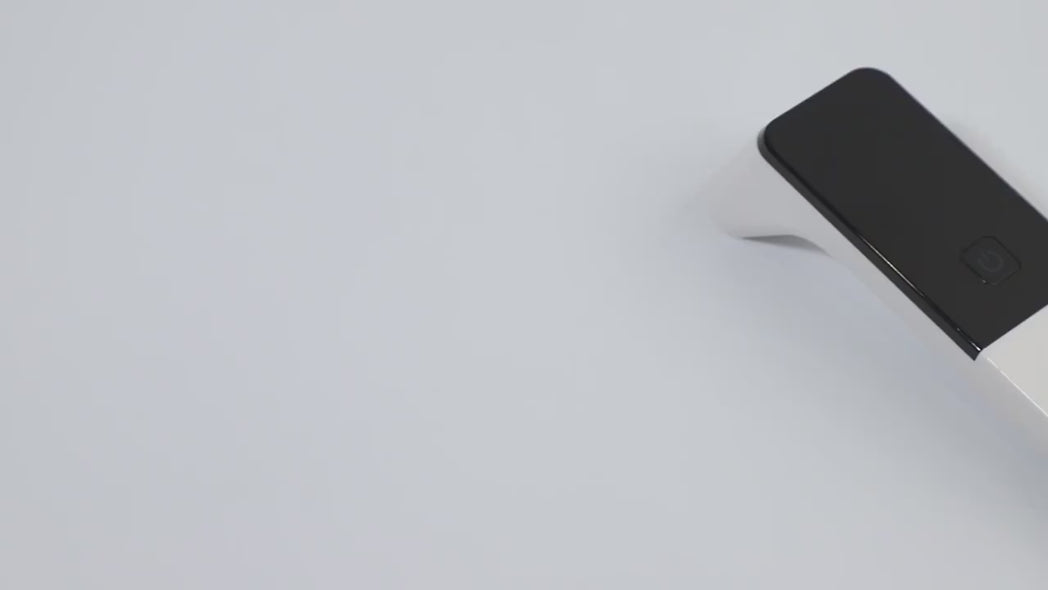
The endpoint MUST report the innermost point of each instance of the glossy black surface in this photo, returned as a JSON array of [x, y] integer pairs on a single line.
[[918, 203]]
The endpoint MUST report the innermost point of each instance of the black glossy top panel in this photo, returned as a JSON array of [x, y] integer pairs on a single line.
[[962, 244]]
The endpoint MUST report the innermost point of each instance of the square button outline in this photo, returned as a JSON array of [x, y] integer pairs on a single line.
[[1014, 262]]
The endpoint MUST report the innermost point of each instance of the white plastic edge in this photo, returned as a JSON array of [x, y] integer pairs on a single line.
[[1017, 364]]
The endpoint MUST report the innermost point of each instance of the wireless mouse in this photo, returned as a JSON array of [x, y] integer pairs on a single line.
[[863, 171]]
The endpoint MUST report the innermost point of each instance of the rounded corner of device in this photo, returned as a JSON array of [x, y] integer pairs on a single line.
[[871, 72]]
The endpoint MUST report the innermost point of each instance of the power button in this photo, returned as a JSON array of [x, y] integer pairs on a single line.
[[990, 260]]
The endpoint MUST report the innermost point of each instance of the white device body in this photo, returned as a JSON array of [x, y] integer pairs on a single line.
[[751, 199]]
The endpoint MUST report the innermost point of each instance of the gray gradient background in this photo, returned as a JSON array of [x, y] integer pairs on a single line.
[[421, 295]]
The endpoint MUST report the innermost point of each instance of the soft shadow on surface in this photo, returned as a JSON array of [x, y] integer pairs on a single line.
[[1013, 471], [789, 242]]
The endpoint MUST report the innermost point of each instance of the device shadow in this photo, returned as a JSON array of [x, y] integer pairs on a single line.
[[795, 242], [942, 412]]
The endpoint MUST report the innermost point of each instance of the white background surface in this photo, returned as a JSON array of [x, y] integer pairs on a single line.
[[395, 295]]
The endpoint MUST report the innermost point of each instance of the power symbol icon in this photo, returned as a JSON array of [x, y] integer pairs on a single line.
[[990, 260]]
